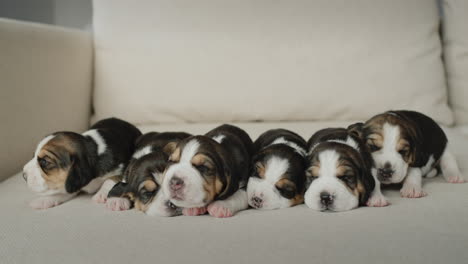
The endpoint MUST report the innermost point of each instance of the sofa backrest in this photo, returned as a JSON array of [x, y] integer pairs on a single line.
[[242, 60]]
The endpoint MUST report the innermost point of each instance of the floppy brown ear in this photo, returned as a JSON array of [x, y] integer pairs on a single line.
[[365, 186], [356, 129], [79, 174], [286, 188]]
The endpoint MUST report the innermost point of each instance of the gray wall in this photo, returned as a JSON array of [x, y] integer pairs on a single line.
[[67, 13]]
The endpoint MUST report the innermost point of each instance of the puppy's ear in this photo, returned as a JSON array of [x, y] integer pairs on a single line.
[[366, 185], [79, 174], [356, 129], [118, 190], [286, 188]]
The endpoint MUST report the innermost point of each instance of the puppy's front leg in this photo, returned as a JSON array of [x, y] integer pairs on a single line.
[[377, 199], [50, 201], [449, 167], [412, 187], [101, 195], [230, 206]]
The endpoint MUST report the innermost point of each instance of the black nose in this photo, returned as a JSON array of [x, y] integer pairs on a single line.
[[176, 183], [257, 201], [326, 198], [25, 177], [386, 172]]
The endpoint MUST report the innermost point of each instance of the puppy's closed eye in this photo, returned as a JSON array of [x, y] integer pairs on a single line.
[[286, 188]]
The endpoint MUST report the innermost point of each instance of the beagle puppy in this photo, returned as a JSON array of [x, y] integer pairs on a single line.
[[208, 173], [140, 186], [339, 171], [65, 163], [278, 176], [406, 146]]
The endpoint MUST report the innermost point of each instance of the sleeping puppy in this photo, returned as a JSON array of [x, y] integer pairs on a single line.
[[339, 171], [278, 176], [140, 186], [66, 163], [407, 146], [208, 173]]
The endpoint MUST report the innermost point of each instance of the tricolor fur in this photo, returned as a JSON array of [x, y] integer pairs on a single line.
[[207, 172], [278, 175], [65, 163]]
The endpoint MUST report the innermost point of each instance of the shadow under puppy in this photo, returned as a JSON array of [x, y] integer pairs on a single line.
[[66, 163], [140, 186], [406, 146], [339, 171], [210, 172], [279, 165]]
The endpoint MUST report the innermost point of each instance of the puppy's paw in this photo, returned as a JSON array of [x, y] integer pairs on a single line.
[[377, 200], [218, 209], [100, 197], [118, 204], [412, 191], [194, 211], [456, 179], [44, 203]]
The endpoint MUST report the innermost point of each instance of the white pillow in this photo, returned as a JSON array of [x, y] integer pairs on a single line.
[[243, 60], [455, 13]]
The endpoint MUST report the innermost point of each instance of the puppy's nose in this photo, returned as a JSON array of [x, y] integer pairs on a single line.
[[386, 172], [257, 201], [326, 198], [176, 183], [25, 177]]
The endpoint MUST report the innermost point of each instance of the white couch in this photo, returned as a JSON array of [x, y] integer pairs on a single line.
[[190, 65]]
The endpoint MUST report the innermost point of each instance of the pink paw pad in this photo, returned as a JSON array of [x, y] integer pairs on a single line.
[[456, 179], [118, 204], [194, 211], [378, 201], [219, 211], [412, 193], [99, 198]]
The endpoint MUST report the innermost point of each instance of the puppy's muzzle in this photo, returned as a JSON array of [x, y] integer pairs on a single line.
[[257, 202], [326, 199], [385, 173], [176, 184]]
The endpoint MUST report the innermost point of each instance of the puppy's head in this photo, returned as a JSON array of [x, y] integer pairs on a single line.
[[278, 178], [393, 141], [60, 164], [144, 178], [199, 173], [338, 178]]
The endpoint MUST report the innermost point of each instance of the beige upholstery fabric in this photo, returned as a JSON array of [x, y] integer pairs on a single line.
[[426, 230], [45, 85], [456, 55], [210, 60]]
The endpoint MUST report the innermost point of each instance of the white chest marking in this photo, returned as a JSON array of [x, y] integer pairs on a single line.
[[293, 145], [219, 138], [142, 152], [101, 144]]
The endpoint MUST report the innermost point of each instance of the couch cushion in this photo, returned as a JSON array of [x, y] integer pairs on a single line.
[[427, 230], [455, 18], [210, 60]]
